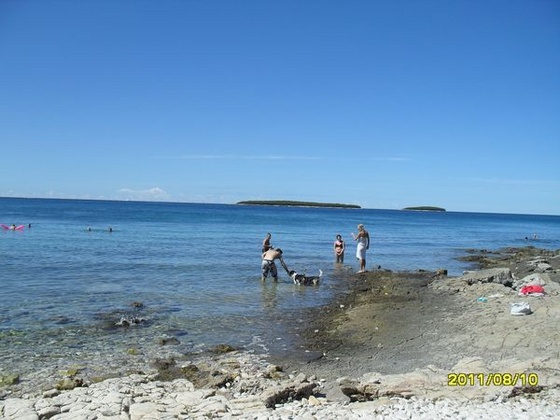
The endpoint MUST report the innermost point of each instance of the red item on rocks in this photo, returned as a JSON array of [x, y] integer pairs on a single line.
[[532, 289]]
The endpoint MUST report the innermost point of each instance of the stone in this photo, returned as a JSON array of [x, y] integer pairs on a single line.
[[537, 279], [294, 391], [312, 400], [9, 379], [19, 409], [48, 412], [492, 275], [141, 410], [169, 341]]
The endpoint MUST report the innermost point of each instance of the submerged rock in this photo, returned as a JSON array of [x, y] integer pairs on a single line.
[[68, 384], [130, 320], [223, 348], [169, 341], [9, 379]]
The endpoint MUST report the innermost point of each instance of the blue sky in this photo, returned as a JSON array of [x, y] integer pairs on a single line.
[[384, 104]]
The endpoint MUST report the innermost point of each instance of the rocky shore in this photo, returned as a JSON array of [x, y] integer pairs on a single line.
[[398, 345]]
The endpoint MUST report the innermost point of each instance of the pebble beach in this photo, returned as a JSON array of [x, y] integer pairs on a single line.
[[392, 347]]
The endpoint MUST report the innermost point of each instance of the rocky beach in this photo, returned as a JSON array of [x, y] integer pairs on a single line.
[[397, 345]]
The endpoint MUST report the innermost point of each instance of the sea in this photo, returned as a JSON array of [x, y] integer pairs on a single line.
[[89, 281]]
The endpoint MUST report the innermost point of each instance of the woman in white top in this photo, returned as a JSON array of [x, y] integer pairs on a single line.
[[363, 244]]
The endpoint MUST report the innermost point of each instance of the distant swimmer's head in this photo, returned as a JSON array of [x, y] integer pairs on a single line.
[[279, 250]]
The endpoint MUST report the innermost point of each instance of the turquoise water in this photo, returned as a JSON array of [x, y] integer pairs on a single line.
[[196, 267]]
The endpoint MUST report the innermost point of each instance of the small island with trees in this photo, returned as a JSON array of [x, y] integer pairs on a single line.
[[424, 208], [297, 204]]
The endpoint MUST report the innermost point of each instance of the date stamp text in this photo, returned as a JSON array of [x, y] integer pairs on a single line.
[[492, 379]]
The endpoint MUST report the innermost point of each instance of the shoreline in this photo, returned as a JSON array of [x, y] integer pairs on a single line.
[[390, 342], [397, 323]]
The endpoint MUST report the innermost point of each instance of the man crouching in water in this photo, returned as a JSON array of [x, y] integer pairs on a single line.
[[268, 265]]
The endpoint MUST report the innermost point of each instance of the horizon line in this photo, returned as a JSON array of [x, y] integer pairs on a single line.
[[123, 200]]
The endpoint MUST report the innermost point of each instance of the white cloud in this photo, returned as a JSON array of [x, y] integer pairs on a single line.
[[151, 194]]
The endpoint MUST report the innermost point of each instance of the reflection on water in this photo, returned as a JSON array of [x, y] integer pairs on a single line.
[[269, 297]]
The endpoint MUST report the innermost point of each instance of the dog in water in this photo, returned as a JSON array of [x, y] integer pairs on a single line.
[[304, 280]]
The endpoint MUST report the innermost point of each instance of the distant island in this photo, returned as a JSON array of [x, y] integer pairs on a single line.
[[424, 208], [297, 204]]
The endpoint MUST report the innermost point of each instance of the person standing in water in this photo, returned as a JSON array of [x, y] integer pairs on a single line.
[[268, 266], [339, 249], [363, 245], [266, 243]]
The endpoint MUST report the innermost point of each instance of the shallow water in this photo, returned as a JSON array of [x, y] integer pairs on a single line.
[[195, 269]]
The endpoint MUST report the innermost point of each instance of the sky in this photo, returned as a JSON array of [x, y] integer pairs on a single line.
[[383, 104]]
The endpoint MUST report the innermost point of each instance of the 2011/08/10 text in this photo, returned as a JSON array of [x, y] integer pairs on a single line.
[[495, 379]]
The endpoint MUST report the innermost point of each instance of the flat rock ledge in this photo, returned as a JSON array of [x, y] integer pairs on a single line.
[[255, 389]]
